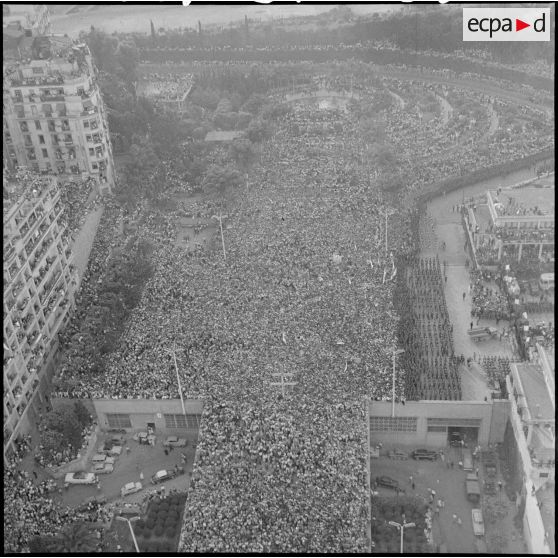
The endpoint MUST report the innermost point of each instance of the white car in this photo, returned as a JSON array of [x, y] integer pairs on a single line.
[[478, 522], [130, 488], [80, 477]]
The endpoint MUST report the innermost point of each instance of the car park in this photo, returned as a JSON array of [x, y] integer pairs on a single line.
[[130, 488], [175, 442], [424, 454], [80, 477], [387, 482], [162, 475]]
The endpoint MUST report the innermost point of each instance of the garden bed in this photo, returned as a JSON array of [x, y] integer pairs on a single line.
[[159, 530]]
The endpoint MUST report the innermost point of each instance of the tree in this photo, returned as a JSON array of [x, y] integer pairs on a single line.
[[75, 538], [258, 130], [64, 421], [218, 178], [242, 152], [144, 159], [82, 414]]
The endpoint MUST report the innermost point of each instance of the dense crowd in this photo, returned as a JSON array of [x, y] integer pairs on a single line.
[[165, 86], [306, 292], [30, 510]]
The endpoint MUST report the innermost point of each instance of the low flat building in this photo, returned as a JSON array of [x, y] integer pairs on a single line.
[[223, 136], [514, 224]]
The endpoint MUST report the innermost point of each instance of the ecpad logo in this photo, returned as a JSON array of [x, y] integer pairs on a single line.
[[506, 24]]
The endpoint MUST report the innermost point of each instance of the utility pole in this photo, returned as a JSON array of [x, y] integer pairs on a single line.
[[179, 385], [282, 383], [397, 352], [220, 219], [401, 526], [386, 229]]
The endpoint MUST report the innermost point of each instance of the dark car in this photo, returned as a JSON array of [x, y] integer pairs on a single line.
[[398, 454], [387, 482], [163, 475], [429, 455]]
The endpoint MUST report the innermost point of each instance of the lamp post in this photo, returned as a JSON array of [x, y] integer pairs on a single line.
[[220, 218], [396, 352], [129, 522], [401, 526]]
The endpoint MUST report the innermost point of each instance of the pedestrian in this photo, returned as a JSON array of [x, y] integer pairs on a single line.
[[459, 522], [500, 485], [451, 463], [411, 479], [477, 471], [443, 503], [471, 324], [128, 450], [433, 493], [35, 474], [454, 518], [460, 464], [141, 475], [99, 486], [436, 511], [464, 294], [413, 485], [443, 457], [166, 451]]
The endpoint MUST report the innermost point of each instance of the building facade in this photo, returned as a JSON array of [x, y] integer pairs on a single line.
[[54, 119], [39, 286], [513, 224]]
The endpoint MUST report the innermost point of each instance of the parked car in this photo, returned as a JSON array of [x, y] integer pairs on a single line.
[[130, 488], [478, 522], [117, 430], [398, 454], [117, 439], [81, 477], [387, 482], [103, 468], [429, 455], [162, 475], [175, 442]]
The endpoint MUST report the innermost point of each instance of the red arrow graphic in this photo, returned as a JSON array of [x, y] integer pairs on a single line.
[[519, 25]]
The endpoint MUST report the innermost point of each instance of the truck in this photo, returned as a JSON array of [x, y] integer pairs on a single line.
[[472, 488]]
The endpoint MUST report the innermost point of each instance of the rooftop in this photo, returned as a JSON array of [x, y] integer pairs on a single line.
[[535, 391], [527, 201], [229, 135]]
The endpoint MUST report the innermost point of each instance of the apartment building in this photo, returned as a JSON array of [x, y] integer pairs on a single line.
[[54, 118], [532, 418], [39, 285]]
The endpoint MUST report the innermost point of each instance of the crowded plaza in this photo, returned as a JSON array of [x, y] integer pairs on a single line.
[[282, 303]]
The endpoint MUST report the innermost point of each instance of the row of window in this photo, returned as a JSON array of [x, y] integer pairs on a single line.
[[453, 422], [393, 424], [188, 422]]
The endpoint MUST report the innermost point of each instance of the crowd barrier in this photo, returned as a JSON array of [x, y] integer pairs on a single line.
[[487, 173]]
